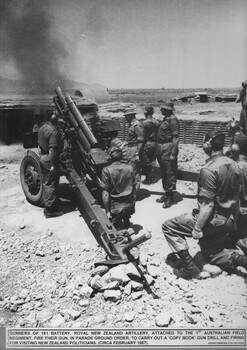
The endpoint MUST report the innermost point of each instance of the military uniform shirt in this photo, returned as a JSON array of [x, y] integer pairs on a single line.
[[219, 181], [242, 97], [150, 129], [242, 164], [168, 128], [135, 133], [119, 180], [48, 136]]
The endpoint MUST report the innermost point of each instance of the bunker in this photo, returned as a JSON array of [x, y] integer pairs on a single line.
[[20, 109]]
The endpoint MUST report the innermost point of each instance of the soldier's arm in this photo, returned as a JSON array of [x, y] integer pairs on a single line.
[[206, 209], [134, 192], [53, 149], [244, 102], [106, 200], [175, 138], [140, 148], [105, 185], [140, 139], [238, 99], [240, 96], [207, 196], [235, 213], [53, 157], [175, 142]]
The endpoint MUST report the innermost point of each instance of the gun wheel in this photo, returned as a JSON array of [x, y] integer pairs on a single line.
[[31, 178]]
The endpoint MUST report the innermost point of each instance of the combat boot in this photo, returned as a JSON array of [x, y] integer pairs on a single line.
[[169, 200], [147, 181], [52, 212], [174, 261], [189, 269], [239, 260], [162, 199], [242, 244], [168, 203]]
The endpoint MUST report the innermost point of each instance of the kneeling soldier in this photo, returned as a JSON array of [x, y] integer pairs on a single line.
[[119, 190], [218, 201]]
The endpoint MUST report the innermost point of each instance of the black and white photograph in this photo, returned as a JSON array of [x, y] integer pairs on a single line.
[[123, 174]]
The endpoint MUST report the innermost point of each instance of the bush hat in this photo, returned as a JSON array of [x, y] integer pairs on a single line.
[[130, 112], [168, 106]]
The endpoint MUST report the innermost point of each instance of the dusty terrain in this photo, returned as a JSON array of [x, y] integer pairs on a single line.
[[47, 264]]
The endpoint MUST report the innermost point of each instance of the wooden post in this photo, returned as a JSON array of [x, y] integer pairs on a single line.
[[192, 132], [124, 127], [184, 130]]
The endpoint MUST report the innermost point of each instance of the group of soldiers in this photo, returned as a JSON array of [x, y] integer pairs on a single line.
[[148, 140], [219, 222]]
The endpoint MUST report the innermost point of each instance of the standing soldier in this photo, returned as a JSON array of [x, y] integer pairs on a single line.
[[167, 153], [243, 114], [50, 145], [135, 140], [149, 144], [119, 191]]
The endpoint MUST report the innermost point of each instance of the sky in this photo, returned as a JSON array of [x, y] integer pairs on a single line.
[[128, 43]]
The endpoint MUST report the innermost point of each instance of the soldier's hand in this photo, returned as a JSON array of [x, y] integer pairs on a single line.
[[109, 215], [172, 157], [52, 168], [197, 234]]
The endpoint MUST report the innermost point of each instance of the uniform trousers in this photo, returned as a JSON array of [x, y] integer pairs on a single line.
[[168, 167], [179, 228], [240, 233], [243, 120], [133, 159], [149, 155], [50, 182], [121, 210]]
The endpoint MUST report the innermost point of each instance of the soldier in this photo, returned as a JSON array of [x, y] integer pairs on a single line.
[[233, 128], [167, 153], [243, 114], [149, 144], [135, 145], [218, 201], [119, 190], [238, 237], [50, 145]]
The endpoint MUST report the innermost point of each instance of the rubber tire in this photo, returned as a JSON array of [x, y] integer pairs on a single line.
[[32, 159]]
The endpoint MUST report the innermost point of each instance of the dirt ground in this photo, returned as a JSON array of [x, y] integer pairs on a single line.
[[46, 262]]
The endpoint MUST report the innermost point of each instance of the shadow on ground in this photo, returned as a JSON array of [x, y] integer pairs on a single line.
[[136, 227], [142, 194], [67, 198]]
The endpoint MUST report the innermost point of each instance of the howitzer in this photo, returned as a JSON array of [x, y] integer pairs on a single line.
[[81, 161]]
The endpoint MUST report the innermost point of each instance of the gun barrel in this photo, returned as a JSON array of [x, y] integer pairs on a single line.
[[138, 241], [61, 96], [80, 120], [81, 137]]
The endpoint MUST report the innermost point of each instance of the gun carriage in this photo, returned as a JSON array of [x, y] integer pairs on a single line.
[[82, 159]]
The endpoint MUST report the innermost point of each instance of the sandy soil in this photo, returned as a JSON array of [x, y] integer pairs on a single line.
[[52, 259], [48, 257]]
